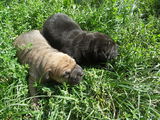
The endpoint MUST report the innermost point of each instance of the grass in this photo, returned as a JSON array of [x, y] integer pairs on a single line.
[[129, 89]]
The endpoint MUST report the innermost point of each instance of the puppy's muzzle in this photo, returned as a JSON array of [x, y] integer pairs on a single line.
[[76, 75]]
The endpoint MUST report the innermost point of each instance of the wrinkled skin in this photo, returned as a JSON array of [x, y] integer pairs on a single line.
[[45, 63], [66, 35]]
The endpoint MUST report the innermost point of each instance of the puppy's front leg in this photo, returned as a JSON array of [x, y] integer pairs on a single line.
[[32, 89]]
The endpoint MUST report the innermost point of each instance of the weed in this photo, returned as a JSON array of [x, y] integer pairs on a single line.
[[129, 90]]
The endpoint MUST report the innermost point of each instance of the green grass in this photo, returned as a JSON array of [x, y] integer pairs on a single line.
[[129, 89]]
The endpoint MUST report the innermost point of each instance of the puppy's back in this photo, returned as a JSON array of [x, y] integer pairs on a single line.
[[60, 22], [33, 37]]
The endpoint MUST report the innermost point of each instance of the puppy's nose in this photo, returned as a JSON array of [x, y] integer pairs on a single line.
[[74, 81], [81, 73], [76, 75]]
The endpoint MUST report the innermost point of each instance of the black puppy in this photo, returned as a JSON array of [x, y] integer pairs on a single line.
[[66, 35]]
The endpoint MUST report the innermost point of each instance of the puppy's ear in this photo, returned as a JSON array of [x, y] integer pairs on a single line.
[[79, 38], [47, 74], [83, 41]]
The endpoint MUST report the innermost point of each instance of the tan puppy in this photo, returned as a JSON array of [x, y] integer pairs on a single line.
[[45, 62]]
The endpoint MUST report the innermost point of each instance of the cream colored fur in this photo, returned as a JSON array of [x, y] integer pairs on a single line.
[[45, 62]]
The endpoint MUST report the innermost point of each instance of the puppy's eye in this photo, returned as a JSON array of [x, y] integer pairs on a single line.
[[66, 74]]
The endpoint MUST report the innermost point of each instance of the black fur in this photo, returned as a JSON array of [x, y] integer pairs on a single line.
[[66, 35]]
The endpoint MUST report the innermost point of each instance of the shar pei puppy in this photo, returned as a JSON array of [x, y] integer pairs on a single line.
[[45, 63], [66, 35]]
